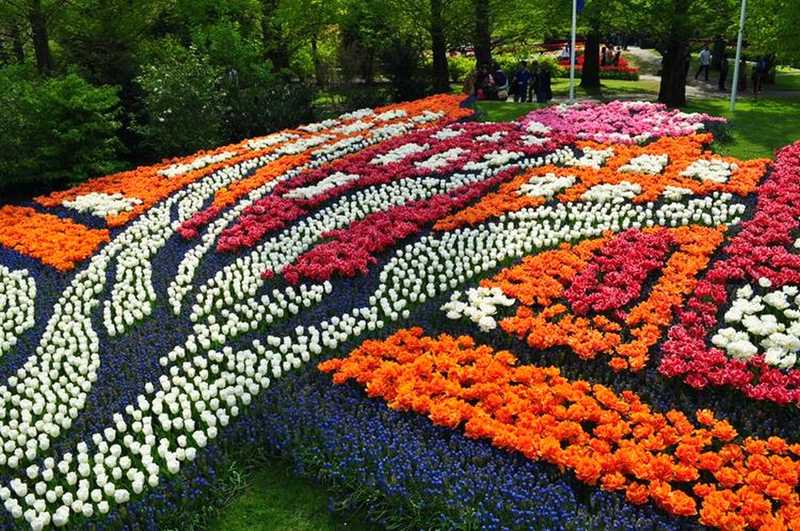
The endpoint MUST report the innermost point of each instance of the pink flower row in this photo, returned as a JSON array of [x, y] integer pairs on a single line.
[[351, 251], [618, 271], [275, 211], [619, 121], [760, 250]]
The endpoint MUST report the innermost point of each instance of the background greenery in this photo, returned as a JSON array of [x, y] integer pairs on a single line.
[[92, 86]]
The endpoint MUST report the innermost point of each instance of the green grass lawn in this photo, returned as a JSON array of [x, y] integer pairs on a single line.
[[787, 79], [757, 128], [272, 498]]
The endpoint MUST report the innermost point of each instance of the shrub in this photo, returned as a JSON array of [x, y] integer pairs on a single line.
[[460, 66], [56, 129], [183, 101]]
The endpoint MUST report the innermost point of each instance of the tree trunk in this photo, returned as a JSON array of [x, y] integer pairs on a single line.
[[16, 43], [41, 43], [672, 91], [674, 67], [441, 75], [590, 76], [483, 38], [317, 64], [274, 45]]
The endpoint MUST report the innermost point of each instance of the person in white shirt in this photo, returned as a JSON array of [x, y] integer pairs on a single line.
[[705, 62]]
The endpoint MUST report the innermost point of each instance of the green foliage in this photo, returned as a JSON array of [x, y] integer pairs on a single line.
[[55, 129], [183, 101], [402, 62], [460, 66]]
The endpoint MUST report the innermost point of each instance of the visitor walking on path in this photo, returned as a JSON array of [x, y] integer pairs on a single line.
[[533, 88], [522, 79], [723, 73], [705, 62]]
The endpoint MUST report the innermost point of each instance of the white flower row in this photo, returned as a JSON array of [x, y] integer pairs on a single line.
[[328, 183], [195, 164], [771, 320], [17, 304], [101, 204], [399, 153], [497, 136], [256, 144], [647, 163], [440, 160], [480, 307]]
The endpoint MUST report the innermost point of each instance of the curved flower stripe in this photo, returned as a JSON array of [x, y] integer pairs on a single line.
[[57, 242], [281, 207], [682, 152], [352, 250], [151, 184], [622, 122], [759, 251], [598, 279], [17, 302], [148, 185], [612, 440], [449, 105]]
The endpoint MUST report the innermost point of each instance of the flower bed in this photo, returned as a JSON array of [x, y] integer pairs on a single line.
[[582, 319], [622, 70]]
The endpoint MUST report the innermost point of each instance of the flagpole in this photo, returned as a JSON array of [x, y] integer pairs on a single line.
[[572, 52], [735, 85]]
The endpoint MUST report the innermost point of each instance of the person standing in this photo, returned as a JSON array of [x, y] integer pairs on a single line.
[[723, 73], [759, 72], [534, 84], [500, 82], [603, 56], [522, 79], [705, 62], [742, 85], [544, 91]]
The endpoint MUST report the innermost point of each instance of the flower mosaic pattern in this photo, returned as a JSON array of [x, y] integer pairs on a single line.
[[154, 318]]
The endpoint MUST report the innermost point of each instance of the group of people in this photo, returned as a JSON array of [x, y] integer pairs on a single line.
[[490, 84], [610, 55], [759, 73], [493, 84], [535, 81]]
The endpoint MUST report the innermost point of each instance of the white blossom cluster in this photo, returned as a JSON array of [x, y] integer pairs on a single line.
[[257, 144], [537, 128], [480, 306], [101, 204], [675, 193], [328, 183], [195, 164], [440, 160], [17, 304], [399, 153], [612, 193], [447, 133], [771, 321], [497, 136], [647, 163], [713, 170], [592, 158], [547, 185]]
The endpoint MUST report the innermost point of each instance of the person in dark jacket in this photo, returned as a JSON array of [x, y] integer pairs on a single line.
[[544, 90], [500, 82], [723, 73], [522, 79], [533, 88]]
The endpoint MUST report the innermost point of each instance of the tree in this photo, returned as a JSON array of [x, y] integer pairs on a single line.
[[483, 37], [441, 75]]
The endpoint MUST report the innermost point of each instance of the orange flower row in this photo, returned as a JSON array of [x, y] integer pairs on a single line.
[[539, 282], [687, 468], [57, 242], [682, 152], [150, 186]]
